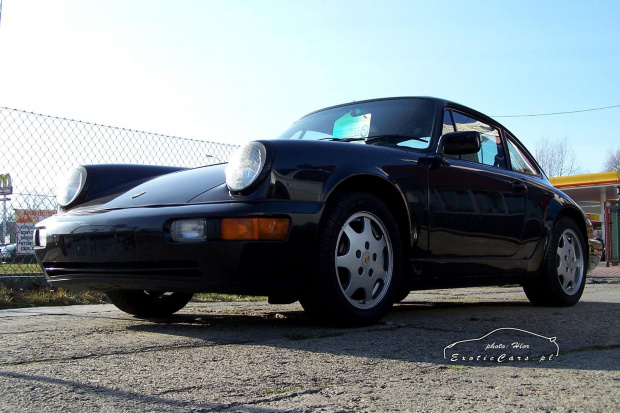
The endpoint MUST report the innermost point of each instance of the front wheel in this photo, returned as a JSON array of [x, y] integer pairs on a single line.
[[143, 303], [564, 271], [359, 262]]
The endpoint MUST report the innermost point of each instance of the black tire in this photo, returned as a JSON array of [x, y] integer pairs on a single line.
[[142, 303], [359, 262], [401, 294], [563, 275]]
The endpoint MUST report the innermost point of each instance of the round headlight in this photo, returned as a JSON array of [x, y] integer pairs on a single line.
[[70, 186], [245, 166]]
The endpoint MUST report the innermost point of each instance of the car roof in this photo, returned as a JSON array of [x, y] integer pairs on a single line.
[[438, 100], [448, 104], [443, 102]]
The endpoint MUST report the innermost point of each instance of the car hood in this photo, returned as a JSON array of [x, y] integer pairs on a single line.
[[172, 189]]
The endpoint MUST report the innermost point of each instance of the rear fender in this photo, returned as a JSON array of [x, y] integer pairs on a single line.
[[559, 207]]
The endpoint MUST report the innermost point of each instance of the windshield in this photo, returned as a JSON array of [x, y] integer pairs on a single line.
[[406, 122]]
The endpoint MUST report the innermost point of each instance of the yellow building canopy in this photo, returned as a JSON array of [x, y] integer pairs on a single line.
[[590, 191]]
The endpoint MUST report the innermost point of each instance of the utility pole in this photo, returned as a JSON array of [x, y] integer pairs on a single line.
[[3, 237], [6, 189]]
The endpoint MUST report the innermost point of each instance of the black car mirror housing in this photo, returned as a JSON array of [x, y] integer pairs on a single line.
[[460, 143]]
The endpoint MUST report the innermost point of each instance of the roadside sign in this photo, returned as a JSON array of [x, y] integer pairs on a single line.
[[26, 220], [6, 187]]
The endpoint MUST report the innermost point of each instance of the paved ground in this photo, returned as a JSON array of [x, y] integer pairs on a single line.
[[604, 271], [253, 357]]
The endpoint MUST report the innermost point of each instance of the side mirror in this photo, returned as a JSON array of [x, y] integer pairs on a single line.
[[460, 143]]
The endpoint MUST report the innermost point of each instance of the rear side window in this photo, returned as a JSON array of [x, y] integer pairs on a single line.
[[518, 160]]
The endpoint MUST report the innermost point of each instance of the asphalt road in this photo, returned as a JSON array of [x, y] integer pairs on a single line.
[[254, 357]]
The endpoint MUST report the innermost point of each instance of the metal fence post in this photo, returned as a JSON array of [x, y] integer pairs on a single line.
[[613, 237]]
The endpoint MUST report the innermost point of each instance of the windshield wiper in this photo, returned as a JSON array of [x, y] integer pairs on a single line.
[[394, 136]]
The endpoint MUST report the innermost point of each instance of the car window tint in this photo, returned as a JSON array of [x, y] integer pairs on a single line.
[[518, 160], [491, 149]]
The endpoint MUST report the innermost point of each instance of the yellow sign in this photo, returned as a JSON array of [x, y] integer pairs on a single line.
[[585, 180], [6, 188]]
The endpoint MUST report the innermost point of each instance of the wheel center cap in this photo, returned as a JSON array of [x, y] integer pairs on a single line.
[[366, 259]]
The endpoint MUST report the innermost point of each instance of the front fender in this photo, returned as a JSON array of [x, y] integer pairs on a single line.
[[107, 180], [311, 170], [315, 171]]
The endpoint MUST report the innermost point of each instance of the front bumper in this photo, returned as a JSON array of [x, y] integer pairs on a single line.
[[131, 249]]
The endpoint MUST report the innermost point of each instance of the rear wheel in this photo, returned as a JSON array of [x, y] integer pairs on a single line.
[[360, 261], [564, 269], [143, 303]]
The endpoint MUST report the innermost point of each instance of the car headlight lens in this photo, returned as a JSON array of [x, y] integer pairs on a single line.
[[70, 186], [245, 166]]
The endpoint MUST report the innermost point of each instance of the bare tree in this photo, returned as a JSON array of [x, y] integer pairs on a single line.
[[557, 157], [613, 161]]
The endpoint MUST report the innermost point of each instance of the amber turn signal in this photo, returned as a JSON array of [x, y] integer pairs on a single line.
[[254, 229]]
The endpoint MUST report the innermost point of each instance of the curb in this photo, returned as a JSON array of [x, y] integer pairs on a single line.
[[602, 280]]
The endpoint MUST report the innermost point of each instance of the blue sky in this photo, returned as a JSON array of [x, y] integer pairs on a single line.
[[233, 71]]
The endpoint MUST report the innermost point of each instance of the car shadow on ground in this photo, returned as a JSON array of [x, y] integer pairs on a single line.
[[414, 331]]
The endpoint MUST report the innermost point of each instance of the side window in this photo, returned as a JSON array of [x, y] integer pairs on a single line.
[[491, 149], [448, 126], [518, 160]]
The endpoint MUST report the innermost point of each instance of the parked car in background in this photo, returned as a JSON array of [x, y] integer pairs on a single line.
[[8, 252], [350, 209], [9, 255]]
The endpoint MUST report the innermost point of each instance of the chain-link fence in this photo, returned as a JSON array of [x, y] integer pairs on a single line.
[[36, 149]]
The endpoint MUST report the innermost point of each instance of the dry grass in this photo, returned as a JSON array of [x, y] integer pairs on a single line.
[[20, 269], [47, 296], [51, 296], [209, 297]]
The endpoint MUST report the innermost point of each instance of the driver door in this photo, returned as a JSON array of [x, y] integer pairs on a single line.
[[476, 208]]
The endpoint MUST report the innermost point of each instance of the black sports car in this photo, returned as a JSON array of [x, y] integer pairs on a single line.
[[347, 211]]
